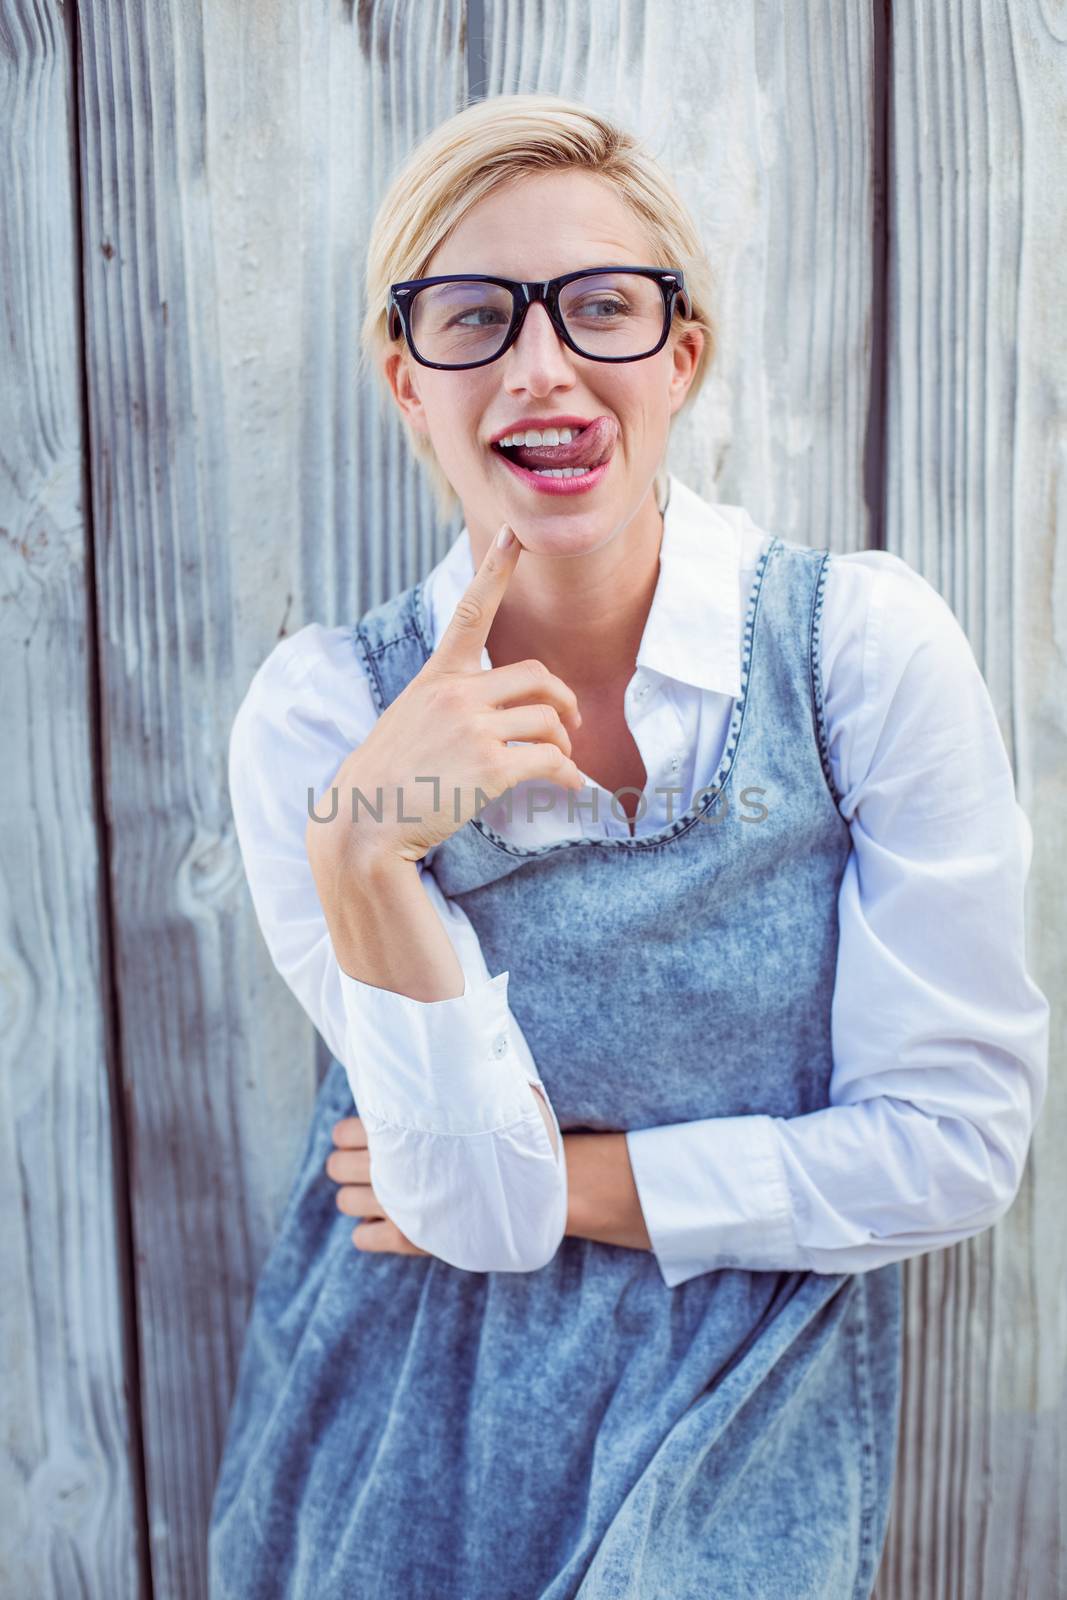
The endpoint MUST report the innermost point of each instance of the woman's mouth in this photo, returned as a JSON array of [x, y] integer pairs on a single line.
[[572, 468]]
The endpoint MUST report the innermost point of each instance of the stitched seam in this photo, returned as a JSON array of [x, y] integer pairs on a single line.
[[815, 673], [369, 654], [713, 789], [366, 658], [865, 1575], [419, 615], [387, 644]]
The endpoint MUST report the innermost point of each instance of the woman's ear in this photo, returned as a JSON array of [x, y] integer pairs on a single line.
[[401, 379], [686, 353]]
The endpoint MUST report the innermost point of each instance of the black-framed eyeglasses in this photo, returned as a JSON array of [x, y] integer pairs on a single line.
[[604, 313]]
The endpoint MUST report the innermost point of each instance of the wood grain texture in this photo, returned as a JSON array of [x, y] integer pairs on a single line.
[[230, 157], [976, 496], [68, 1472]]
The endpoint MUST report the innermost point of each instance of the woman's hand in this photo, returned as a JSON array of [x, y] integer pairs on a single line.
[[602, 1199], [349, 1165], [445, 738]]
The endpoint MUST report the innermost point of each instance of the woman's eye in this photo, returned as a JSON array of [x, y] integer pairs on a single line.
[[609, 305], [478, 311]]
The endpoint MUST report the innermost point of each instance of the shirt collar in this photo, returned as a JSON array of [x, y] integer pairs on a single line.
[[693, 628]]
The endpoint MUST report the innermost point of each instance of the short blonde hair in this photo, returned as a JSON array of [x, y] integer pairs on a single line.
[[478, 151]]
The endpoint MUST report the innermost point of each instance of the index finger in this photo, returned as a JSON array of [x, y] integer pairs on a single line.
[[464, 639]]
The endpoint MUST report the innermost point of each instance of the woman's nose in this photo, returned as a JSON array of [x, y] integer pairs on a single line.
[[538, 349]]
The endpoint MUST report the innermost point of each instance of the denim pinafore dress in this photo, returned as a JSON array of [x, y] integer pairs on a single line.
[[406, 1430]]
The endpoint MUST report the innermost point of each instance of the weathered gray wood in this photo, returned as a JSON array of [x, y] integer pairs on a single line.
[[230, 162], [68, 1474], [976, 499]]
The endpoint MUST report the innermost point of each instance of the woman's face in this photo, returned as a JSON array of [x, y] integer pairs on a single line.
[[539, 227]]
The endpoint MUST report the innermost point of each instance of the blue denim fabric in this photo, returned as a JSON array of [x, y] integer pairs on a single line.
[[404, 1429]]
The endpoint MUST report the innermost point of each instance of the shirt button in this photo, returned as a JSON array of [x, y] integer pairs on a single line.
[[500, 1045]]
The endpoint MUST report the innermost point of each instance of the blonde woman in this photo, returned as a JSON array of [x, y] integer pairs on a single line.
[[661, 902]]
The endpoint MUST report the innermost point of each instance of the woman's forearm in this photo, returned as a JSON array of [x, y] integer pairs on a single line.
[[385, 932], [602, 1199]]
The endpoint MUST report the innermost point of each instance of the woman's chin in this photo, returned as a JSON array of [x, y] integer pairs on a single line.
[[548, 535]]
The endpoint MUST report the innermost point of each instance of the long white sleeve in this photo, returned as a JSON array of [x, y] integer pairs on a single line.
[[460, 1156], [939, 1036]]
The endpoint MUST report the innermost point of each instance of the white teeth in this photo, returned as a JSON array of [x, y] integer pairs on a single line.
[[531, 436], [560, 472]]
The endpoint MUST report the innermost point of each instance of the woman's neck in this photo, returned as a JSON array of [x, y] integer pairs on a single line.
[[584, 617]]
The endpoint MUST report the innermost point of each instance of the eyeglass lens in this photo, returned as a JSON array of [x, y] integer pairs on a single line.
[[608, 314]]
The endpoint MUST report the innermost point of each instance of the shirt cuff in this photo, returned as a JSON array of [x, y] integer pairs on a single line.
[[435, 1066], [714, 1194]]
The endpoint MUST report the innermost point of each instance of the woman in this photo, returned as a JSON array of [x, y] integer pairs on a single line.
[[641, 1107]]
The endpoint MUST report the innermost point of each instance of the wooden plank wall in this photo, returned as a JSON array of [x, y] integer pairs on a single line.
[[976, 500], [225, 156], [73, 1518], [190, 470]]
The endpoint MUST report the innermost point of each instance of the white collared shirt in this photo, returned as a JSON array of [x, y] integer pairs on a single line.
[[939, 1035]]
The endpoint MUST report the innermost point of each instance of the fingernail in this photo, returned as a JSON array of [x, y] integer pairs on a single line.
[[505, 538]]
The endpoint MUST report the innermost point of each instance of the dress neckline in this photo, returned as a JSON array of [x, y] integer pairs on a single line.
[[707, 794]]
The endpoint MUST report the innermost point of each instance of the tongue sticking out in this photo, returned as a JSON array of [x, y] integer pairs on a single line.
[[587, 449]]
